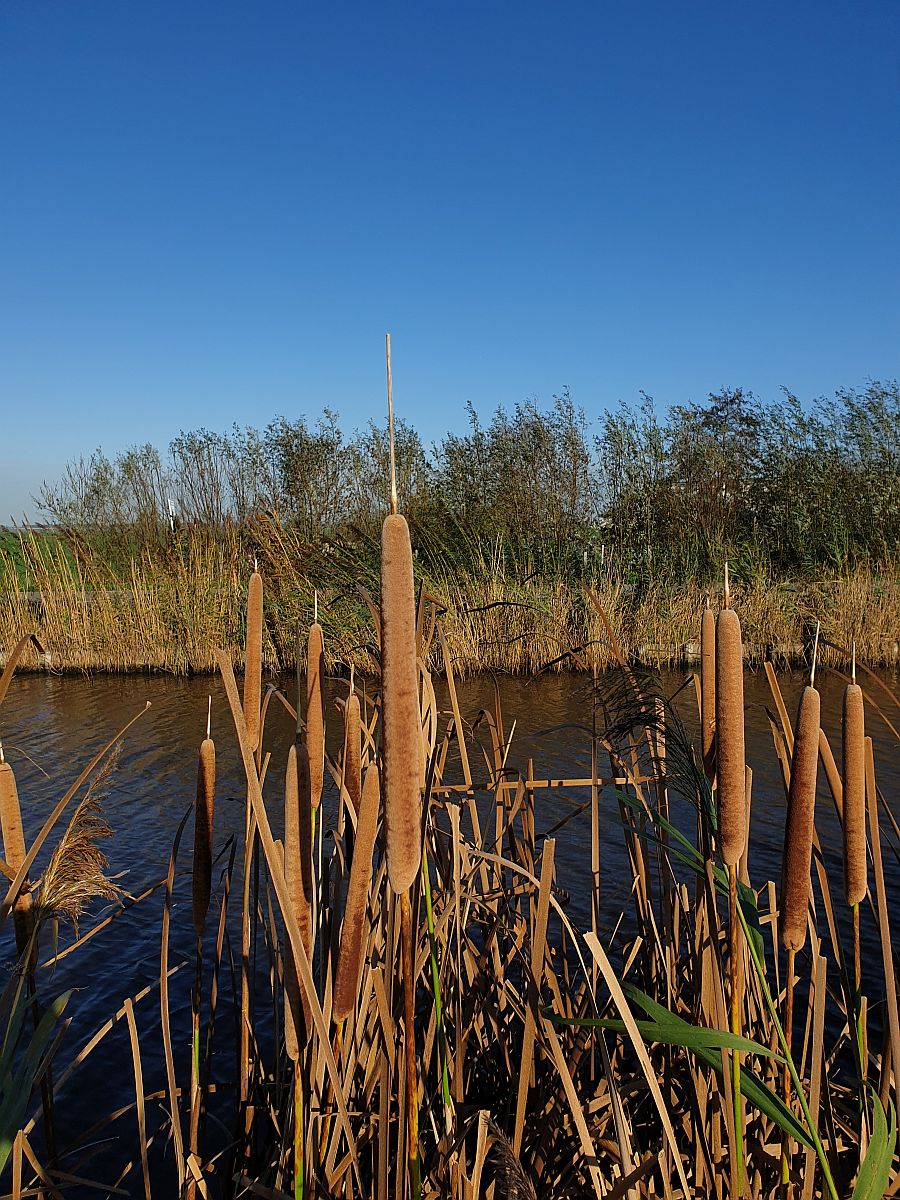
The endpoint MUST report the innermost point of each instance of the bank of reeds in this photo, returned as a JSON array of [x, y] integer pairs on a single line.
[[464, 1037], [169, 609]]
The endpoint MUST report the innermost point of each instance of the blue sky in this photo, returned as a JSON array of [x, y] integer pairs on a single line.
[[211, 211]]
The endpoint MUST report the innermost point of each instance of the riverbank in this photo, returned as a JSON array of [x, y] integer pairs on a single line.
[[169, 615]]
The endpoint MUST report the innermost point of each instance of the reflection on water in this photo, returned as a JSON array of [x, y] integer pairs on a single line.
[[50, 726]]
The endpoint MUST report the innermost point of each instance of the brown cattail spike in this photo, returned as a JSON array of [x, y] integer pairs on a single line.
[[253, 659], [353, 934], [203, 833], [315, 710], [708, 687], [401, 732], [298, 877], [14, 853], [798, 833], [730, 757], [854, 738], [352, 750]]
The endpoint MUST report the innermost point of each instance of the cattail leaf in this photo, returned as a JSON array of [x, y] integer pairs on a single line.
[[876, 1166]]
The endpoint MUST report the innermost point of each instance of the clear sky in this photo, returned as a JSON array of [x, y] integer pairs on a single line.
[[211, 211]]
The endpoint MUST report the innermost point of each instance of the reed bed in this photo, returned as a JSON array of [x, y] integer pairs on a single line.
[[425, 1016]]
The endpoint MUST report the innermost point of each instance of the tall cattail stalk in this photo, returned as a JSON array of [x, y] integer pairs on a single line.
[[797, 860], [854, 813], [253, 659], [708, 689], [298, 877], [731, 792], [252, 696], [401, 749], [204, 809], [315, 709]]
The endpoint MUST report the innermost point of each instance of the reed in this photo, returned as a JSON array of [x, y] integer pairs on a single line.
[[253, 658]]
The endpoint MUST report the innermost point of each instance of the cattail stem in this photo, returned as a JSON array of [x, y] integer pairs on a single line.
[[409, 1042], [786, 1077], [194, 1128], [734, 963], [708, 690], [298, 1132], [329, 1094]]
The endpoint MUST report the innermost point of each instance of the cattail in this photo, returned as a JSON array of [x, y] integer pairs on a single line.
[[253, 658], [298, 877], [315, 712], [353, 940], [203, 832], [14, 852], [798, 833], [400, 715], [352, 750], [730, 762], [708, 687], [854, 737]]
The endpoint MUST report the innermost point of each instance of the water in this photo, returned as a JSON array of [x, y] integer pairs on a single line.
[[51, 726]]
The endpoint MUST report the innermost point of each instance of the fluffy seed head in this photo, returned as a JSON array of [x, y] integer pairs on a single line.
[[315, 710], [203, 833], [730, 758], [298, 877], [401, 731], [353, 934], [854, 739], [798, 833], [253, 658]]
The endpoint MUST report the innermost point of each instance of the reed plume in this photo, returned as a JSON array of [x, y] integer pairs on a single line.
[[353, 934], [731, 782], [708, 689], [253, 659], [315, 711]]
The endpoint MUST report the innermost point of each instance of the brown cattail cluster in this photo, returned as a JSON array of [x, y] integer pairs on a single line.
[[353, 934], [730, 758], [204, 809], [253, 659], [400, 715], [14, 852], [798, 833], [315, 710], [708, 688], [854, 740], [298, 876]]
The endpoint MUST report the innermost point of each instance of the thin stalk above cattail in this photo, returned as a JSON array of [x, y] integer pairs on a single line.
[[253, 659], [315, 710]]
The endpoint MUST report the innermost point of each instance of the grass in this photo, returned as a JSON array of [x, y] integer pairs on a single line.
[[488, 1043]]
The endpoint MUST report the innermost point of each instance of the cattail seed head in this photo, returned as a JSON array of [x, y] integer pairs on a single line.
[[298, 877], [352, 750], [401, 731], [14, 852], [708, 687], [253, 659], [729, 718], [854, 739], [204, 809], [315, 710], [353, 934], [799, 828]]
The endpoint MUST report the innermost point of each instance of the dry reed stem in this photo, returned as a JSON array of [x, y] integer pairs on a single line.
[[854, 739], [401, 731], [253, 659], [708, 690], [14, 853], [730, 757], [298, 876], [798, 833], [352, 751], [204, 811], [315, 711], [355, 930]]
